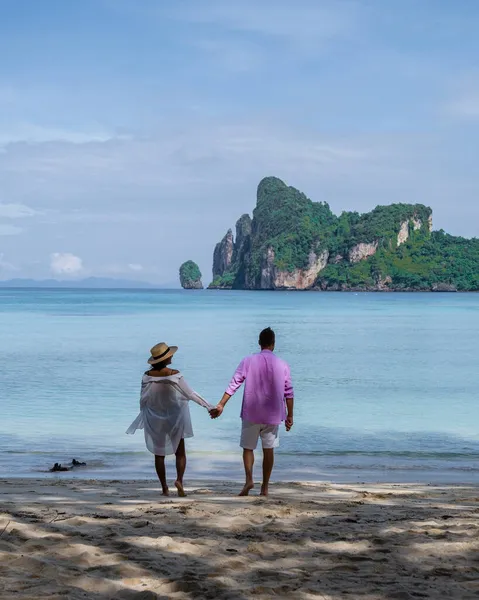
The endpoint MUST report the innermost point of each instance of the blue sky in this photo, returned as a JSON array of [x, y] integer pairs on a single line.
[[133, 133]]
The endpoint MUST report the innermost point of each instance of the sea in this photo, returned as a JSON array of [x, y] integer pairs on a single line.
[[386, 384]]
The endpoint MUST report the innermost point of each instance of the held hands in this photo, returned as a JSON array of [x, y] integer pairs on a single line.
[[289, 423], [216, 411]]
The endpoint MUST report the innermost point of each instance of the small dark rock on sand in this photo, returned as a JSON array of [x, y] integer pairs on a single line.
[[58, 467]]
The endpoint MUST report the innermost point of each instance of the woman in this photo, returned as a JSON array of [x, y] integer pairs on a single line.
[[165, 414]]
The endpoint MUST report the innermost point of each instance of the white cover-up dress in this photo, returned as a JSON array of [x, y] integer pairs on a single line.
[[165, 413]]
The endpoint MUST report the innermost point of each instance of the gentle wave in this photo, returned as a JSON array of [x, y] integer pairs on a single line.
[[318, 453]]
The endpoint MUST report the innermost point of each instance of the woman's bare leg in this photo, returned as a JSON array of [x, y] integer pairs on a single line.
[[180, 467], [161, 472]]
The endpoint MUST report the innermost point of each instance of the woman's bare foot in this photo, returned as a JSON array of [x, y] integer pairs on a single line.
[[247, 488], [264, 490], [179, 487], [165, 492]]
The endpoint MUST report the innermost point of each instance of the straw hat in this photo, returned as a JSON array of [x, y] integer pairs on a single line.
[[161, 352]]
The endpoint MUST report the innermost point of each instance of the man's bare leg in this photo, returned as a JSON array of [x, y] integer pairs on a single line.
[[161, 472], [180, 467], [268, 462], [248, 461]]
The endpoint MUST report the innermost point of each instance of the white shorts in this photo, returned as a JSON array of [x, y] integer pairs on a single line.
[[251, 432]]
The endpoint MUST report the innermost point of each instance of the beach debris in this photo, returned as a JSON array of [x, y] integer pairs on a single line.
[[5, 528], [58, 467]]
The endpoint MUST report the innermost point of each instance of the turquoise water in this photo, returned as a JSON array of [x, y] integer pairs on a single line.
[[386, 385]]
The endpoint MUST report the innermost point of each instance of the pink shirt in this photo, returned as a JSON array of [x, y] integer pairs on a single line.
[[268, 383]]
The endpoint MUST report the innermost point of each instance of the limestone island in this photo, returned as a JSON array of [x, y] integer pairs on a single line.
[[292, 243], [190, 276]]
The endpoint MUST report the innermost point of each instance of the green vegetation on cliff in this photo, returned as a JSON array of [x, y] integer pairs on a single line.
[[391, 247], [286, 220], [225, 281], [439, 261], [190, 275]]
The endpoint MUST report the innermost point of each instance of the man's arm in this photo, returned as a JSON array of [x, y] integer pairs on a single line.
[[289, 417], [235, 383], [289, 395], [218, 409]]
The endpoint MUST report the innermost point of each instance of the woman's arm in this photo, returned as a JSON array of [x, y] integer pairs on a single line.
[[190, 394], [235, 383]]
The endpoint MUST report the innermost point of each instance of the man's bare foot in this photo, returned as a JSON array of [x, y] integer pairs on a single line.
[[246, 489], [179, 487], [264, 490], [165, 492]]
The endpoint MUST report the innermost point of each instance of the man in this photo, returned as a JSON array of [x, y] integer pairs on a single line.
[[268, 385]]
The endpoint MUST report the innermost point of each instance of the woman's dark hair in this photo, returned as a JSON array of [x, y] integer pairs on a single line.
[[161, 365], [266, 338]]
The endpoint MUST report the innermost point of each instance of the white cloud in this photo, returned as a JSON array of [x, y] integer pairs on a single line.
[[231, 55], [466, 107], [167, 162], [302, 22], [135, 267], [15, 211], [37, 134], [464, 96], [7, 94], [6, 266], [6, 229], [78, 216], [65, 263], [240, 36]]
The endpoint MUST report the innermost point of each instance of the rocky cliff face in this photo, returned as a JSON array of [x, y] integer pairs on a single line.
[[257, 264], [403, 234], [273, 278], [267, 270], [190, 276], [192, 285], [243, 237], [223, 255], [362, 251], [416, 225]]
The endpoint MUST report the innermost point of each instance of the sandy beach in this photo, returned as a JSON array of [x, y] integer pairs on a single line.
[[108, 540]]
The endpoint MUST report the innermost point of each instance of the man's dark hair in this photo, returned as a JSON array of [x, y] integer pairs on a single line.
[[266, 338]]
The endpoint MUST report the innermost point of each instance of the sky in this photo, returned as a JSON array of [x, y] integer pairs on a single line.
[[134, 133]]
